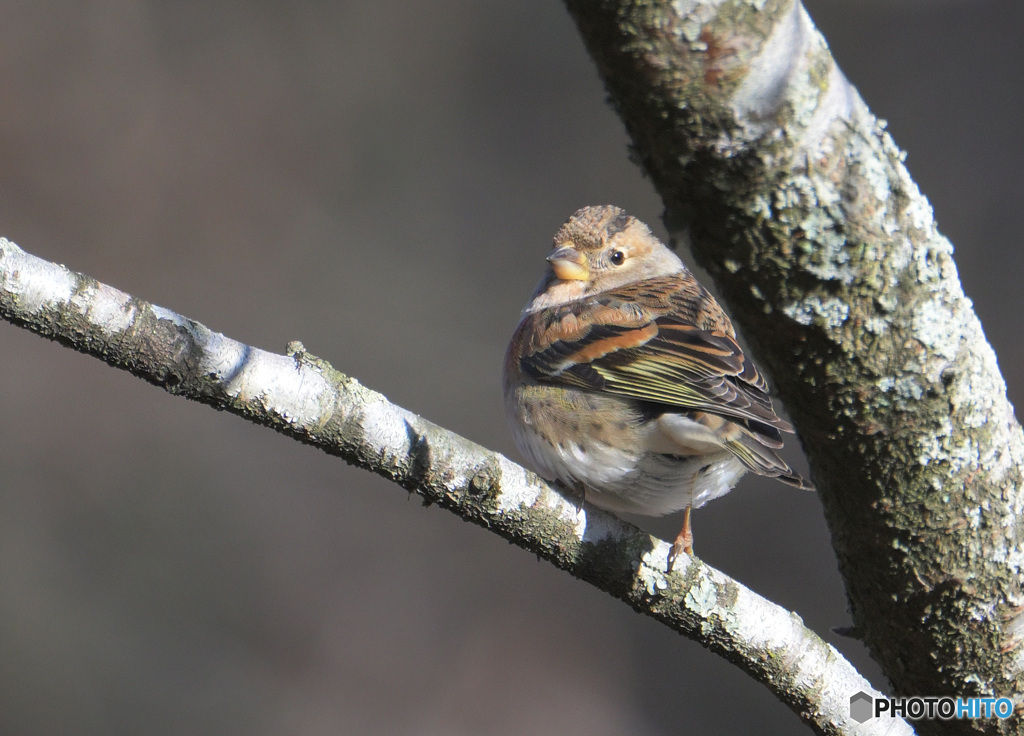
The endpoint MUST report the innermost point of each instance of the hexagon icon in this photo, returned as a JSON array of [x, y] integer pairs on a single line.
[[860, 706]]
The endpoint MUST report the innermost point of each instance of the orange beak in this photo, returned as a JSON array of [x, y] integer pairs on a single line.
[[569, 264]]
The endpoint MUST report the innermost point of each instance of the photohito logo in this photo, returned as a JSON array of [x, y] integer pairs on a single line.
[[863, 707]]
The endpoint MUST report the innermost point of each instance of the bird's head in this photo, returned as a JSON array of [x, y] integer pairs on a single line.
[[604, 248]]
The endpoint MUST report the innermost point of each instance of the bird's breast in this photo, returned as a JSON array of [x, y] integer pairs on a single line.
[[604, 446]]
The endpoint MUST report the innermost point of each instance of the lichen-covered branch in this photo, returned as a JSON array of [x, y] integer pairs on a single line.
[[796, 200], [304, 397]]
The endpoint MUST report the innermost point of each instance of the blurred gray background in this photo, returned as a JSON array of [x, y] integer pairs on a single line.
[[380, 180]]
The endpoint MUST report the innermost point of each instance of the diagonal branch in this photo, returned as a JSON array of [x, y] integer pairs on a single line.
[[305, 398]]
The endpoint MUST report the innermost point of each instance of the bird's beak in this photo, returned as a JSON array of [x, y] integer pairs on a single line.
[[569, 264]]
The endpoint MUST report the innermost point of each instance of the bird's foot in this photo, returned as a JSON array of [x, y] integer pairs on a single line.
[[683, 543]]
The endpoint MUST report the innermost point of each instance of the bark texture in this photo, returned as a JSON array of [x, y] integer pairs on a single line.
[[304, 397], [795, 199]]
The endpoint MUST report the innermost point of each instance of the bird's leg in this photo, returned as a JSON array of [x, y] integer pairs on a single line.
[[684, 542]]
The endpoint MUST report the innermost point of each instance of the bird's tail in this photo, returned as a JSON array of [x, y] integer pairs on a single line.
[[765, 461]]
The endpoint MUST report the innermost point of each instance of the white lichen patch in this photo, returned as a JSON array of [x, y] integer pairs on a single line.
[[936, 326], [896, 256], [1017, 664], [876, 325], [693, 16], [818, 199], [830, 312], [37, 283], [1002, 458], [875, 172], [982, 609], [939, 446], [934, 264], [702, 598], [831, 262], [919, 213], [807, 205], [964, 455], [977, 396], [651, 572], [691, 28], [796, 195], [905, 389]]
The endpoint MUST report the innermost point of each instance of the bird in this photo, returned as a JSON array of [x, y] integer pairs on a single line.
[[625, 383]]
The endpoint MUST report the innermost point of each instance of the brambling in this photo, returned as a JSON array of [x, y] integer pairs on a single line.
[[624, 380]]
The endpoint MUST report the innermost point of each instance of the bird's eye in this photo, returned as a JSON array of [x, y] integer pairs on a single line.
[[617, 258]]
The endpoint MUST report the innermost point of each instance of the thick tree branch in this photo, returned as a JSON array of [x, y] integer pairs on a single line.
[[304, 397], [798, 203]]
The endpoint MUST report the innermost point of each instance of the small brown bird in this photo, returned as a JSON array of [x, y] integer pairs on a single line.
[[625, 382]]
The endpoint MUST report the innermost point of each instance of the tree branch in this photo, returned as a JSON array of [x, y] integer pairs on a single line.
[[797, 202], [305, 398]]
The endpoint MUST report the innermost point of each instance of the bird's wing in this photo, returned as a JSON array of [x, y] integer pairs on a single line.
[[662, 340]]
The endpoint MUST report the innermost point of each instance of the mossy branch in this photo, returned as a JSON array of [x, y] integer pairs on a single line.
[[796, 200]]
